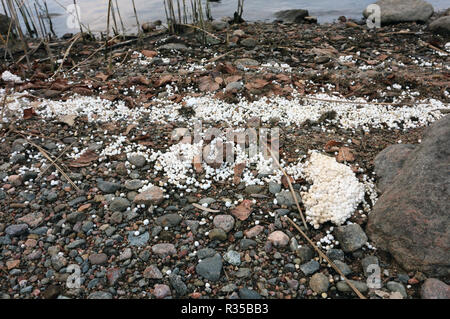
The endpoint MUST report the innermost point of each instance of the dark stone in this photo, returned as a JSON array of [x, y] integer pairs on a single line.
[[245, 293]]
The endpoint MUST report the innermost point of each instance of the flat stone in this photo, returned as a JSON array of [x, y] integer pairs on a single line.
[[119, 204], [140, 240], [153, 195], [210, 268], [397, 287], [319, 283], [310, 267], [16, 230], [245, 293], [137, 160], [346, 270], [343, 287], [108, 187], [98, 259], [164, 250], [169, 220], [100, 295], [351, 237], [32, 219]]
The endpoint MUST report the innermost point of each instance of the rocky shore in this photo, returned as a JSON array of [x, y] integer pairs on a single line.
[[93, 188]]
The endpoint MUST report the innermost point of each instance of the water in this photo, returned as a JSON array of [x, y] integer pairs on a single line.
[[93, 12]]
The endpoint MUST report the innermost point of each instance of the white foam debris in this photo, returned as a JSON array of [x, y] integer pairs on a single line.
[[9, 77], [335, 192]]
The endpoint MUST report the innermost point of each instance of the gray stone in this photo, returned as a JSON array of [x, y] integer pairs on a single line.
[[336, 254], [343, 287], [232, 257], [410, 219], [173, 46], [108, 187], [152, 272], [133, 184], [397, 287], [119, 204], [396, 11], [310, 267], [234, 86], [100, 295], [245, 293], [210, 268], [219, 25], [245, 63], [137, 160], [140, 240], [274, 188], [16, 230], [205, 253], [249, 42], [285, 198], [177, 283], [305, 253], [346, 270], [441, 25], [351, 237]]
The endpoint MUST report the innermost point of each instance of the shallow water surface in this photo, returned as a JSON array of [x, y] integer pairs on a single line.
[[93, 12]]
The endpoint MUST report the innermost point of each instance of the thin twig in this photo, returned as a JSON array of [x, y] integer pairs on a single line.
[[322, 255], [75, 38], [52, 161], [294, 196]]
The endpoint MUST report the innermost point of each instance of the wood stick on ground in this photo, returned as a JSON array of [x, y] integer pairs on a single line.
[[290, 186], [322, 255], [59, 156], [74, 39], [52, 161]]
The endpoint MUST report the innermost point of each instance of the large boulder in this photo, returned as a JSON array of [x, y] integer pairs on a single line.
[[396, 11], [411, 217], [441, 25]]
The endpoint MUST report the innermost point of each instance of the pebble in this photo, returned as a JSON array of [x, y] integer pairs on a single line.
[[232, 257], [310, 267], [217, 234], [169, 220], [119, 204], [351, 237], [98, 259], [152, 272], [210, 268], [278, 238], [16, 230], [100, 295], [164, 250], [140, 240], [177, 283], [343, 287], [319, 283], [153, 195], [161, 291], [137, 160], [245, 293], [346, 270], [225, 222], [108, 187], [397, 287]]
